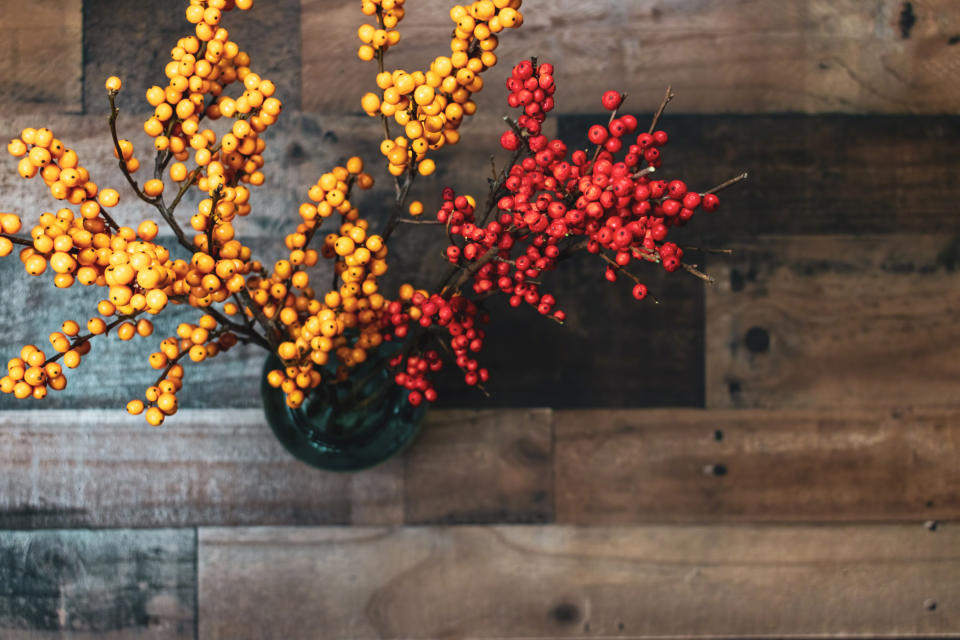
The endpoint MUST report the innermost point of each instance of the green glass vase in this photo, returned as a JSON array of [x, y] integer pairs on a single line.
[[349, 426]]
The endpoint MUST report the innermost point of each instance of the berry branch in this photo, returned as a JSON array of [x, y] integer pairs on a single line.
[[155, 201]]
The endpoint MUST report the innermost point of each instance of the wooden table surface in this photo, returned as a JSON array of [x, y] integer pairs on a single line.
[[773, 455]]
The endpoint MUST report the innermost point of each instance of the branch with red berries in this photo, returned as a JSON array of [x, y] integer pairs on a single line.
[[548, 205]]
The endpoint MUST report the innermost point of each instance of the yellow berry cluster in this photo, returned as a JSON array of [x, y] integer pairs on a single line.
[[59, 167], [389, 13], [346, 321], [29, 375], [198, 342], [203, 65], [431, 105]]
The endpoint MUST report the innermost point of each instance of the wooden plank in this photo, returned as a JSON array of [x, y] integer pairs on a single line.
[[300, 148], [494, 466], [617, 467], [98, 584], [106, 469], [41, 56], [554, 581], [612, 350], [884, 56], [825, 174], [839, 321], [133, 40]]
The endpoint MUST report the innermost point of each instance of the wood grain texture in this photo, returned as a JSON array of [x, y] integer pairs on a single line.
[[493, 466], [41, 56], [751, 56], [620, 467], [107, 469], [844, 321], [133, 40], [98, 584], [554, 581]]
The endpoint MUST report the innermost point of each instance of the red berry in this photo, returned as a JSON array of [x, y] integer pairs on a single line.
[[415, 398], [611, 100], [510, 140], [640, 291], [597, 134], [711, 202]]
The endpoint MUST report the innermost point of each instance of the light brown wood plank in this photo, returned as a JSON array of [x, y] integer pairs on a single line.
[[843, 321], [494, 466], [554, 581], [681, 465], [756, 56], [41, 56], [104, 468], [81, 585]]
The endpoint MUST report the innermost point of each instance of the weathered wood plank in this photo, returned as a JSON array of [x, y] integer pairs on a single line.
[[133, 40], [756, 465], [300, 148], [883, 56], [553, 581], [106, 469], [494, 466], [98, 584], [842, 321], [41, 56]]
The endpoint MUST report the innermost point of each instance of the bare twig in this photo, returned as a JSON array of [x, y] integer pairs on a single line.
[[723, 185], [692, 268], [703, 250], [667, 97], [156, 202], [17, 240]]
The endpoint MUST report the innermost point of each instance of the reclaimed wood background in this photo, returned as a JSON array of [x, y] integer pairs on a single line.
[[773, 455]]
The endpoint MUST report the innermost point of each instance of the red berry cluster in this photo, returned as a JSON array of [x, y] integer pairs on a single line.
[[460, 318], [531, 87], [550, 204]]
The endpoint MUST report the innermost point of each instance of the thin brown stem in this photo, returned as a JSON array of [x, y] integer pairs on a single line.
[[692, 268], [156, 202], [17, 240], [667, 97], [704, 250], [272, 333], [723, 185], [415, 221]]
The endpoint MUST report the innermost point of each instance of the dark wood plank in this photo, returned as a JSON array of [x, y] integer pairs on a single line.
[[41, 56], [762, 56], [553, 581], [851, 321], [825, 174], [494, 466], [756, 465], [98, 584], [133, 40], [107, 469]]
